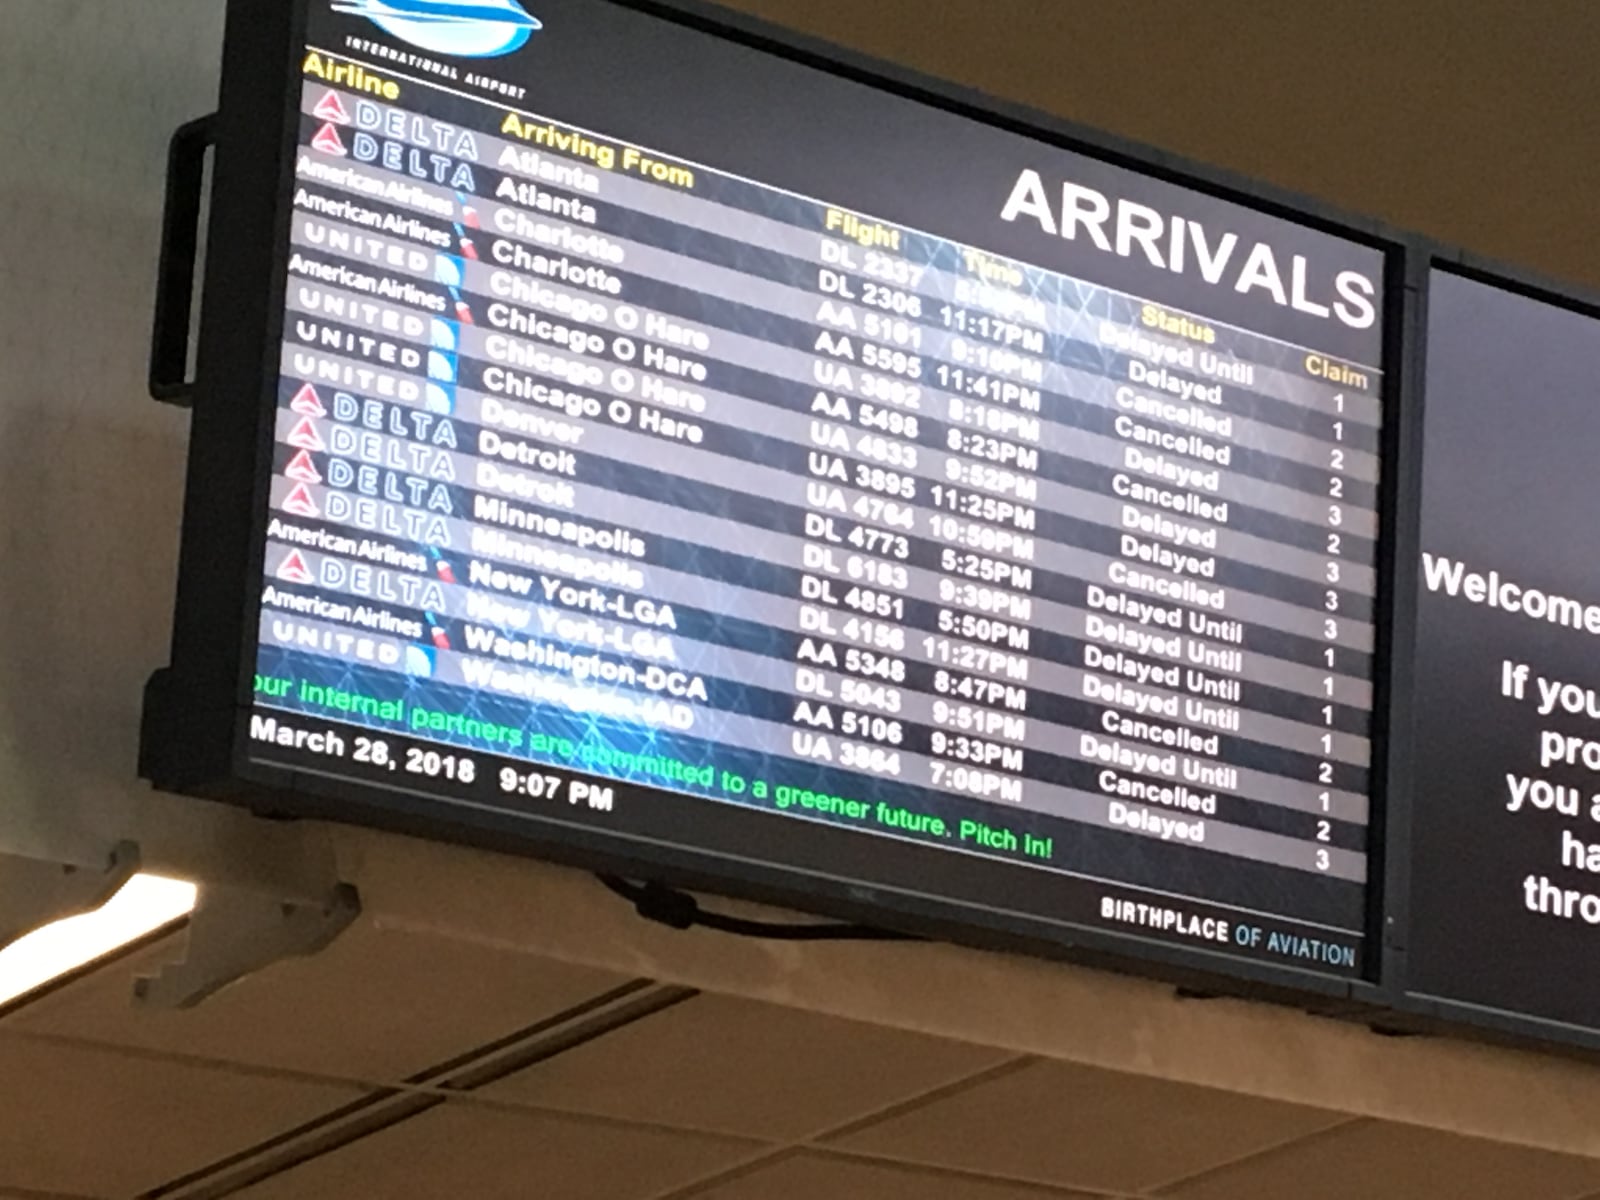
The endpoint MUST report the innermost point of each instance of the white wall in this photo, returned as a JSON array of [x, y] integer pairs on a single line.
[[90, 468]]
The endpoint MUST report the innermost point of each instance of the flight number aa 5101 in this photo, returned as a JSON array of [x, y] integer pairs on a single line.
[[896, 330]]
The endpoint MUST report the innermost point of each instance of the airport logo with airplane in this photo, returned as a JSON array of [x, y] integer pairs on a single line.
[[459, 28]]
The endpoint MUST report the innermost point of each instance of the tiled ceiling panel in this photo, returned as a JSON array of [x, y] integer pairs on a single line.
[[1372, 1160], [1076, 1126], [94, 1122], [813, 1177], [736, 1066], [480, 1153]]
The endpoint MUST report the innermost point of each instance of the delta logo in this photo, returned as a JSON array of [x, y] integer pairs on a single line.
[[458, 28]]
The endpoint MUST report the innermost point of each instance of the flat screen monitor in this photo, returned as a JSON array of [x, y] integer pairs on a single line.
[[1504, 865], [640, 442]]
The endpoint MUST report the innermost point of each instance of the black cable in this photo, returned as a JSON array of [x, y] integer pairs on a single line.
[[679, 910]]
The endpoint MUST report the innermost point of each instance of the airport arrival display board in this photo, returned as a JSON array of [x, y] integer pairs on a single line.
[[662, 451]]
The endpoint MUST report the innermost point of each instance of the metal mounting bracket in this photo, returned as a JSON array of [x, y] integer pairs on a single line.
[[34, 892], [236, 932]]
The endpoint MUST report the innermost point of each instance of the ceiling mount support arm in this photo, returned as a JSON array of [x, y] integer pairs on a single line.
[[236, 932]]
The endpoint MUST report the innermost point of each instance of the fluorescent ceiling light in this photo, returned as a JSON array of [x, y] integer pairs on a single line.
[[145, 904]]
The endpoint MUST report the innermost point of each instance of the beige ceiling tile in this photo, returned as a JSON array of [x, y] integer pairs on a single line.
[[743, 1067], [375, 1005], [1075, 1126], [466, 1150], [813, 1177], [102, 1123], [1373, 1160]]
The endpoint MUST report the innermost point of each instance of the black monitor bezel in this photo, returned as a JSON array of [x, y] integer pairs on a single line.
[[197, 709], [1412, 1009]]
